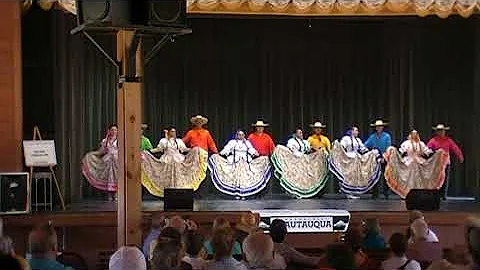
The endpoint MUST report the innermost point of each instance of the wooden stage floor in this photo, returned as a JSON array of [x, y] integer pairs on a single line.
[[277, 203]]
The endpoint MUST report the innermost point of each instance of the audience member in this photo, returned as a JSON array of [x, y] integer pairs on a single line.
[[455, 258], [340, 256], [6, 248], [278, 232], [222, 244], [398, 260], [192, 225], [8, 262], [372, 238], [178, 223], [221, 223], [127, 258], [42, 243], [168, 232], [420, 249], [414, 215], [195, 254], [259, 253], [472, 233], [158, 223], [354, 238], [246, 225], [167, 254]]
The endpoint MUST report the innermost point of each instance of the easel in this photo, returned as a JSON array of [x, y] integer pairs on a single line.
[[38, 136]]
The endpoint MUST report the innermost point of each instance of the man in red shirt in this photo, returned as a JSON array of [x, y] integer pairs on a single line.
[[442, 141], [199, 136], [260, 140]]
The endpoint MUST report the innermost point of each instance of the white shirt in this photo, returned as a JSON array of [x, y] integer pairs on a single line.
[[393, 263], [353, 145], [196, 263], [239, 149], [298, 146], [414, 148], [172, 143]]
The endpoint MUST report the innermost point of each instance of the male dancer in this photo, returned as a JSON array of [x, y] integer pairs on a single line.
[[442, 141], [380, 140], [260, 140], [317, 140]]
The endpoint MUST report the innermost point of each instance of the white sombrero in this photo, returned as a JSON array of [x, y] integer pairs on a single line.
[[441, 127], [379, 123], [260, 124], [196, 120], [144, 126], [318, 125]]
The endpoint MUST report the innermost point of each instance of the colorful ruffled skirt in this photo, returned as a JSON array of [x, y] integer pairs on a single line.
[[241, 178], [404, 174], [173, 170], [303, 176], [101, 169], [356, 174]]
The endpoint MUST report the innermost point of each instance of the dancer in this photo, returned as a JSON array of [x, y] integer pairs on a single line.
[[412, 168], [317, 140], [380, 140], [301, 173], [262, 142], [199, 136], [239, 174], [100, 167], [145, 143], [442, 141], [177, 167], [356, 168]]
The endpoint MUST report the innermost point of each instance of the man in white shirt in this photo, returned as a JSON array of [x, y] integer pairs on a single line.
[[398, 260]]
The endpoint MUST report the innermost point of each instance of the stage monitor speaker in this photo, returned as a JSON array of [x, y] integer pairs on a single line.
[[423, 200], [128, 13], [14, 193], [177, 199]]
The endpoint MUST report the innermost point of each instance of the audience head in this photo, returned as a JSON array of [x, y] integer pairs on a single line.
[[222, 243], [419, 230], [414, 215], [398, 244], [9, 262], [247, 223], [194, 243], [158, 221], [171, 232], [340, 256], [371, 226], [178, 223], [472, 231], [127, 258], [42, 242], [167, 254], [192, 225], [6, 245], [258, 250], [278, 230], [221, 223]]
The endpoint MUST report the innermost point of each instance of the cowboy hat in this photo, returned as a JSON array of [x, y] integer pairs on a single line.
[[260, 123], [318, 125], [248, 223], [379, 123], [441, 127], [144, 126], [198, 120]]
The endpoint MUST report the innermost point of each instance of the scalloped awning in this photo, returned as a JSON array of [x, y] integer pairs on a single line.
[[442, 8]]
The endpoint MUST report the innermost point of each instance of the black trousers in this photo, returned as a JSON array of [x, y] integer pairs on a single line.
[[382, 183]]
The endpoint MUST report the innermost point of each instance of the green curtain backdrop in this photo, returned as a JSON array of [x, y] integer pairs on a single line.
[[411, 71]]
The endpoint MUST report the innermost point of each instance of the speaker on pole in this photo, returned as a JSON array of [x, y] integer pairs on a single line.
[[132, 13], [423, 199]]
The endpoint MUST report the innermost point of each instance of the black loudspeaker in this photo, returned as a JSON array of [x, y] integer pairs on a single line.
[[423, 200], [176, 199], [128, 13]]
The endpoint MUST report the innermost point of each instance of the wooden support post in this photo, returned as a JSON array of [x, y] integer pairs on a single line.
[[129, 116]]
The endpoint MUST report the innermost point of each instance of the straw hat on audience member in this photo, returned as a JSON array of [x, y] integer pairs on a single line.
[[199, 120], [260, 123], [247, 223], [318, 125], [441, 127], [379, 123]]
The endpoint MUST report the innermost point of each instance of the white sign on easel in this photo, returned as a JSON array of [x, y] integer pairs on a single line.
[[39, 153]]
